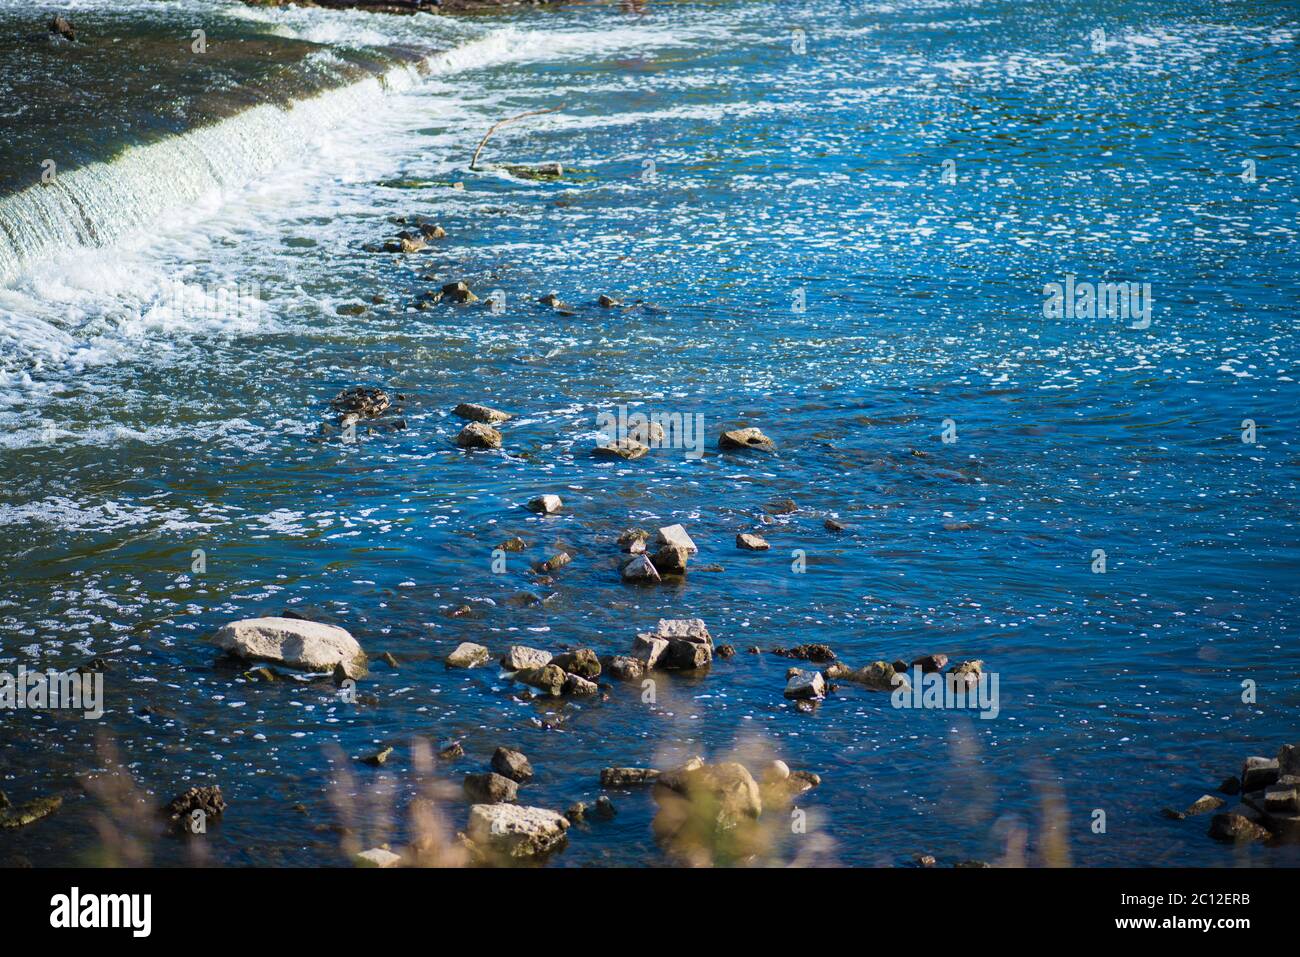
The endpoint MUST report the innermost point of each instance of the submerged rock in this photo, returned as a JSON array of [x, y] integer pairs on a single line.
[[60, 26], [468, 655], [20, 815], [609, 302], [834, 525], [179, 811], [294, 643], [627, 777], [476, 435], [553, 564], [516, 832], [365, 401], [746, 439], [480, 413]]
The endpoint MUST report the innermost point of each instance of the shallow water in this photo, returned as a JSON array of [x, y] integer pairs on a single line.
[[718, 181]]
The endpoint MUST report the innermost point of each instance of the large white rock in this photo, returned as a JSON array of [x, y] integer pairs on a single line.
[[675, 536], [294, 643], [515, 831]]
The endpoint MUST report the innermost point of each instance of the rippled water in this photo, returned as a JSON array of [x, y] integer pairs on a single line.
[[844, 246]]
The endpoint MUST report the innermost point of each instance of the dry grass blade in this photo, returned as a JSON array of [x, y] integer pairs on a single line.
[[473, 163]]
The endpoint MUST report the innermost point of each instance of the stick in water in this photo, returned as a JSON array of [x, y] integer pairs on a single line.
[[473, 164]]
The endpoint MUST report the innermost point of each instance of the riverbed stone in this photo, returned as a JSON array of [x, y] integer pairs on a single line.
[[550, 679], [516, 832], [468, 655], [293, 643], [490, 788], [476, 435], [626, 668], [480, 413], [640, 569], [512, 764], [578, 685], [582, 662], [750, 438], [518, 657], [805, 684], [545, 504]]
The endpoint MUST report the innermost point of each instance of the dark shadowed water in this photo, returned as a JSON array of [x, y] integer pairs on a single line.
[[841, 236]]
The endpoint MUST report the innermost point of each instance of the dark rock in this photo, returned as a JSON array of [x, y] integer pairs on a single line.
[[379, 758], [512, 764], [1258, 773], [832, 525], [726, 651], [627, 777], [61, 27], [609, 302], [180, 809], [458, 292], [605, 808], [1230, 785], [490, 788], [365, 401], [807, 652], [451, 752], [930, 663], [476, 435], [20, 815], [582, 662], [1236, 828]]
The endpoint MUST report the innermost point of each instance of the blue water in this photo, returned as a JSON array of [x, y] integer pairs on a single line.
[[797, 256]]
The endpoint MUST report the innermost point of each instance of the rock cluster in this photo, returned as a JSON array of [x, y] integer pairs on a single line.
[[681, 644], [1270, 801], [668, 553]]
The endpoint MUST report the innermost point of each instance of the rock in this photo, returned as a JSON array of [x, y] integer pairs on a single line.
[[377, 857], [552, 300], [516, 832], [626, 668], [782, 506], [930, 663], [805, 684], [405, 244], [746, 439], [490, 788], [1230, 785], [179, 810], [451, 752], [609, 302], [647, 433], [20, 815], [675, 536], [670, 560], [627, 449], [293, 643], [480, 413], [1282, 799], [540, 171], [576, 812], [1172, 814], [458, 292], [605, 808], [878, 675], [1258, 773], [61, 27], [967, 673], [686, 655], [512, 764], [379, 758], [649, 649], [513, 545], [833, 525], [553, 564], [631, 538], [754, 543], [578, 685], [1236, 828], [925, 860], [1288, 759], [545, 504], [690, 629], [807, 653], [627, 777], [550, 679], [476, 435], [521, 656], [468, 655], [1284, 825], [899, 665], [364, 401], [582, 662], [640, 569], [1204, 804], [726, 651], [833, 671], [726, 793]]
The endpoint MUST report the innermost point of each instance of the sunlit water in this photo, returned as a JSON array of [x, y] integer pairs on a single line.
[[845, 246]]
